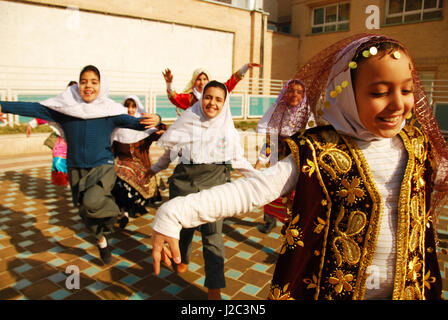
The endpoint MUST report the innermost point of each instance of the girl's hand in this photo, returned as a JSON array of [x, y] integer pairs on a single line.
[[253, 65], [168, 75], [160, 252], [150, 120]]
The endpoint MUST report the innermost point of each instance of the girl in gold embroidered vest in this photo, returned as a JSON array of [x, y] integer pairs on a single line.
[[368, 181]]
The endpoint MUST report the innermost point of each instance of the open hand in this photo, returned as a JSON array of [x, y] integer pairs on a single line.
[[160, 252], [253, 65], [168, 75], [150, 120]]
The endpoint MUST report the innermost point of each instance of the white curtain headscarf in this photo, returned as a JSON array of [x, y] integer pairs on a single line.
[[342, 113], [202, 140], [125, 135], [190, 86], [71, 104]]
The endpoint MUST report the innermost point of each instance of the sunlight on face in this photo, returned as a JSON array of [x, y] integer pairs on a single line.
[[201, 81], [212, 101], [89, 86], [384, 93], [294, 94]]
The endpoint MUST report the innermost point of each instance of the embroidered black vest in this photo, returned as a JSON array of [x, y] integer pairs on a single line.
[[332, 236]]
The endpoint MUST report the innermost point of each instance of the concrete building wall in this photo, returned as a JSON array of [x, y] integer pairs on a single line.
[[50, 39]]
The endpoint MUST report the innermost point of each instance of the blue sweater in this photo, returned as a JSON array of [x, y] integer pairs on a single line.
[[88, 141]]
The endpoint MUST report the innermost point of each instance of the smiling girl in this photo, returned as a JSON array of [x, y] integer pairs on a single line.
[[205, 139], [195, 87], [87, 118], [280, 122], [368, 183]]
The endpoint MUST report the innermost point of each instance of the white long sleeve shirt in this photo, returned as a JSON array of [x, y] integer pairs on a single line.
[[245, 194]]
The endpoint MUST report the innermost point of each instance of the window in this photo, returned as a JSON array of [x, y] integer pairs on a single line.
[[401, 11], [331, 18]]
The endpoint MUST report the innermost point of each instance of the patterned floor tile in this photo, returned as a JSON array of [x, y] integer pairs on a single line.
[[41, 235]]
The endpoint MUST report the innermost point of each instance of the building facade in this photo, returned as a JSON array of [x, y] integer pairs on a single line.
[[45, 43]]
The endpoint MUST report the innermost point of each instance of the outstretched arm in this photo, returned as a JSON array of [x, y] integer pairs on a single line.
[[237, 76], [28, 109], [227, 200], [145, 122]]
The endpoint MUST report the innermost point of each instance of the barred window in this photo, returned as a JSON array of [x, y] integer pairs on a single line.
[[401, 11], [331, 18]]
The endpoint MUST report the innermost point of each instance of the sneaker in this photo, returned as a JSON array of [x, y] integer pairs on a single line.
[[266, 228], [105, 254]]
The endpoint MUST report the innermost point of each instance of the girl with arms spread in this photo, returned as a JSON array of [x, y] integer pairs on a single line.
[[87, 118], [369, 183], [195, 87]]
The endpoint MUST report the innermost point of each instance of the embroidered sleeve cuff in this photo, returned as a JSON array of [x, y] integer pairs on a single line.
[[243, 70]]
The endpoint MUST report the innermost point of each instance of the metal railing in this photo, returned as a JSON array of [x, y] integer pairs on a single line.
[[249, 100]]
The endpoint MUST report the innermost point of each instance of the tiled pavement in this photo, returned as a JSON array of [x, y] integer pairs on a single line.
[[42, 237]]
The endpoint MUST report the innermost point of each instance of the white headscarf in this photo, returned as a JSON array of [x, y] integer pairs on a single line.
[[343, 112], [190, 86], [203, 140], [125, 135], [71, 104]]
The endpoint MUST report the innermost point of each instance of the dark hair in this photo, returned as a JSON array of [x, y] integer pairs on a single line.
[[72, 83], [216, 84], [90, 68], [127, 101], [384, 47]]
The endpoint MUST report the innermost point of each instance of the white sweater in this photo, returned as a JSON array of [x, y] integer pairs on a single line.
[[245, 194], [388, 172]]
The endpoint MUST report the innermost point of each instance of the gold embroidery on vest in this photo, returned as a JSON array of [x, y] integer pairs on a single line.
[[309, 168], [352, 191], [341, 162], [372, 231], [320, 224], [341, 281], [293, 236], [278, 293], [311, 283], [409, 275], [351, 253], [417, 223], [428, 280], [294, 150]]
